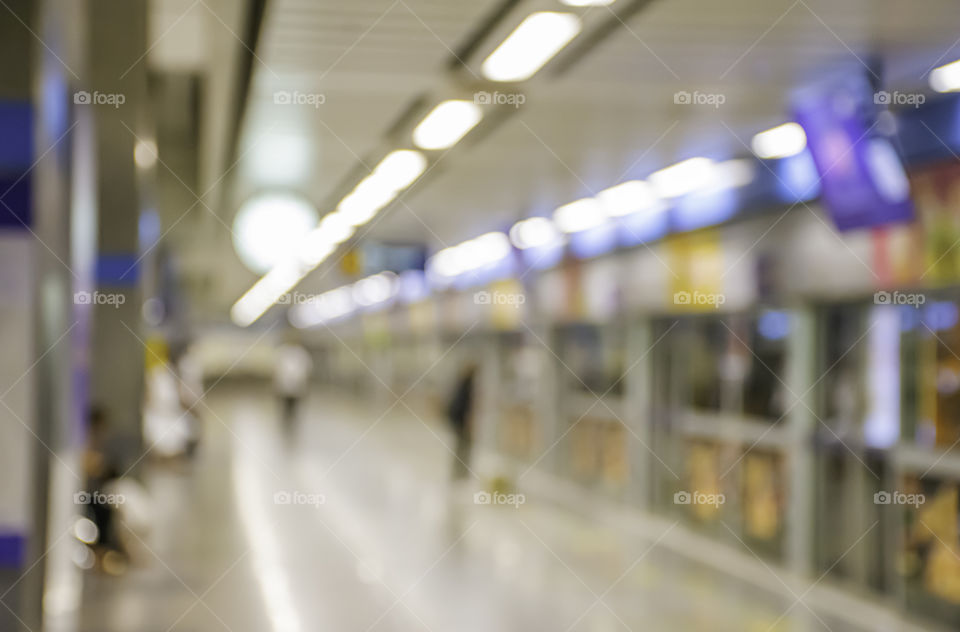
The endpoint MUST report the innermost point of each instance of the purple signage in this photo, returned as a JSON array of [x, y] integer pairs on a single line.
[[861, 176]]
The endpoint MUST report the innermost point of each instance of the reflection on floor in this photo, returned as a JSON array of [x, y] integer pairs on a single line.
[[353, 525]]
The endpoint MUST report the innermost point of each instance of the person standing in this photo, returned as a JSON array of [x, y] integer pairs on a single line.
[[292, 372], [460, 416]]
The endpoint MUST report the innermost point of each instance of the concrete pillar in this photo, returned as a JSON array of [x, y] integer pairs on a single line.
[[117, 85]]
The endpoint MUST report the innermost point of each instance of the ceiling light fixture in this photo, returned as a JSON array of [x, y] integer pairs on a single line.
[[946, 78], [531, 45], [781, 141], [578, 216], [446, 124]]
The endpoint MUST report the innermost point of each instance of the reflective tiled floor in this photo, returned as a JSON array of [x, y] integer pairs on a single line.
[[352, 524]]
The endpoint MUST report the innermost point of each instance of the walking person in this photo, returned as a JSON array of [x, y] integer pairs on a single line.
[[460, 415], [292, 372]]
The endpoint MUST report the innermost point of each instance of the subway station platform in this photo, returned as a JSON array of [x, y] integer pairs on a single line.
[[375, 537]]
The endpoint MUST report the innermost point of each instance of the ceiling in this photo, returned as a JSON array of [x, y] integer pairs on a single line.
[[600, 112]]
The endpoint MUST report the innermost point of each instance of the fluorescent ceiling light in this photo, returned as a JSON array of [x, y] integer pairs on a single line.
[[336, 228], [481, 251], [782, 141], [267, 226], [316, 248], [731, 174], [265, 292], [580, 215], [682, 178], [534, 232], [946, 78], [447, 124], [531, 45], [363, 203], [375, 289], [449, 262], [588, 3], [399, 169], [328, 306], [486, 249], [628, 198]]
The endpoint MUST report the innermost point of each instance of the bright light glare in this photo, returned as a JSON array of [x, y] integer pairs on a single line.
[[366, 199], [375, 289], [683, 177], [534, 232], [580, 215], [473, 254], [531, 45], [145, 154], [946, 78], [265, 292], [86, 531], [628, 198], [267, 226], [731, 174], [395, 172], [399, 169], [447, 124], [326, 307], [316, 247], [782, 141]]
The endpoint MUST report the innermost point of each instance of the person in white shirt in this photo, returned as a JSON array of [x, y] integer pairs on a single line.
[[291, 374]]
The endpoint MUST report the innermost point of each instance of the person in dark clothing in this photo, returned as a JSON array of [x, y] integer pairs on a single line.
[[460, 415], [101, 467]]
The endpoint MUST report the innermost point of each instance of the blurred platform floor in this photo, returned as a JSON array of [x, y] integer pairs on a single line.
[[392, 547]]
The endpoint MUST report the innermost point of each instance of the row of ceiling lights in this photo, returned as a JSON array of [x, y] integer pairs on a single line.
[[634, 196], [536, 40]]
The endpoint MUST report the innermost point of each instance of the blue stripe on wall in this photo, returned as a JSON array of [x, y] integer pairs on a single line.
[[16, 158], [13, 547], [116, 270]]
